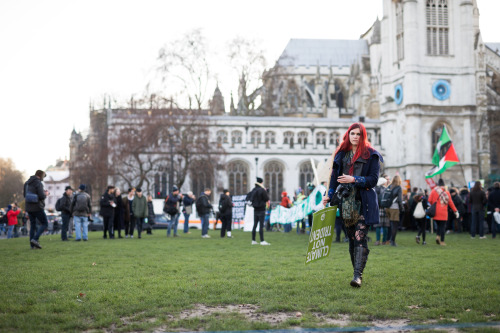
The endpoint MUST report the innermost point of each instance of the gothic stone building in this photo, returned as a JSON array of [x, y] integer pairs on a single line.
[[422, 66]]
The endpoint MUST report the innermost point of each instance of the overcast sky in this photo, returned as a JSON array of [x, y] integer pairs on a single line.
[[56, 56]]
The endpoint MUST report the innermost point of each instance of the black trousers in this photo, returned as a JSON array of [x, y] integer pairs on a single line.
[[139, 221], [441, 229], [108, 225], [421, 223], [65, 223], [394, 230], [258, 219], [226, 224], [127, 223]]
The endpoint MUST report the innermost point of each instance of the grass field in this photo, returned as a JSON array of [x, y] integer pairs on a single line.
[[190, 283]]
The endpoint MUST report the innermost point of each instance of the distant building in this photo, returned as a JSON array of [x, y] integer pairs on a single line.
[[422, 66], [55, 182]]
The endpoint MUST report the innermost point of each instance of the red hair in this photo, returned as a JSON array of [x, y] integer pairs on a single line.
[[363, 145]]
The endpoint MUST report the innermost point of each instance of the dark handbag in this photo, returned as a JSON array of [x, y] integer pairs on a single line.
[[30, 197], [431, 211]]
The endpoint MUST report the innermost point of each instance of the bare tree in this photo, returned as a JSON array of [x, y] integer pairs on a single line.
[[183, 63], [11, 183], [247, 59], [166, 141]]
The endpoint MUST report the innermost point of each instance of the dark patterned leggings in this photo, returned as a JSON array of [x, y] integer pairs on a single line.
[[357, 235]]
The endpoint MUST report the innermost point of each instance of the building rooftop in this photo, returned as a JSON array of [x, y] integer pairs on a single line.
[[325, 52], [495, 47]]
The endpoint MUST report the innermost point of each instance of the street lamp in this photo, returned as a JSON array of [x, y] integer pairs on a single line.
[[171, 132]]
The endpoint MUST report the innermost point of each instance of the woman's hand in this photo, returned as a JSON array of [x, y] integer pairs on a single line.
[[325, 200], [345, 179]]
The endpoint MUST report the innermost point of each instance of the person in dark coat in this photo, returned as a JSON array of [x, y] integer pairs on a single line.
[[128, 213], [395, 210], [204, 207], [36, 210], [151, 215], [108, 204], [494, 206], [172, 209], [226, 213], [477, 201], [140, 209], [355, 171], [259, 197], [119, 213], [66, 211], [420, 201], [455, 223]]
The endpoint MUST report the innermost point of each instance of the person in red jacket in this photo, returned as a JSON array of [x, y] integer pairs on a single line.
[[12, 213], [443, 199]]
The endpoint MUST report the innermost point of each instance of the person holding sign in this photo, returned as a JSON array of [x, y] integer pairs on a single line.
[[355, 172]]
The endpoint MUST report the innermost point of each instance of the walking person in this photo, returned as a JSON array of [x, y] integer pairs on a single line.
[[81, 209], [204, 207], [494, 206], [259, 201], [151, 215], [382, 228], [226, 213], [455, 223], [119, 213], [396, 208], [140, 209], [12, 213], [128, 213], [442, 198], [417, 210], [108, 204], [65, 206], [477, 199], [172, 209], [187, 203], [355, 171], [35, 207]]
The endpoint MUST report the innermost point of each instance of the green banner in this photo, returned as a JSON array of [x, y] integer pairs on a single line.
[[321, 237]]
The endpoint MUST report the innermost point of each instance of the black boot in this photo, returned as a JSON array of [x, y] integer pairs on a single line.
[[360, 258]]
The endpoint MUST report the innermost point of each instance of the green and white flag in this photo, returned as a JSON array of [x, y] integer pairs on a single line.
[[445, 155]]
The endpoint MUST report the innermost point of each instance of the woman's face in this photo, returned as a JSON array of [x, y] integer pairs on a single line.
[[355, 136]]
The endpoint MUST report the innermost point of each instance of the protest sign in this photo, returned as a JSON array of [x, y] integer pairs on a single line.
[[238, 207], [321, 237]]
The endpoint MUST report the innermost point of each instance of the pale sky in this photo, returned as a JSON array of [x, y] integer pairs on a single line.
[[56, 56]]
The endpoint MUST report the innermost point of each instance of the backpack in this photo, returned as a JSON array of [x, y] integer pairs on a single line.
[[250, 196], [59, 204], [386, 198], [169, 208], [80, 203], [198, 204], [419, 212]]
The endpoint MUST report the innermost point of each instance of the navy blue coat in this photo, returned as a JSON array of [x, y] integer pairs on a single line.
[[365, 183]]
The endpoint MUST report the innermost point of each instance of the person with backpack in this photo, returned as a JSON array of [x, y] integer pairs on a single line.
[[81, 209], [226, 213], [442, 198], [203, 207], [417, 210], [172, 209], [63, 205], [35, 195], [354, 174], [394, 195], [259, 198], [140, 209]]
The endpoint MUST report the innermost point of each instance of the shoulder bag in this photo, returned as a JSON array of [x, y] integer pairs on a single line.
[[431, 211], [30, 197]]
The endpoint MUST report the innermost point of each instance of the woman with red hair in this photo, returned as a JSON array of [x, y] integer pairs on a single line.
[[355, 172]]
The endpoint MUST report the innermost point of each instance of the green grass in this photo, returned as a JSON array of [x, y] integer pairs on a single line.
[[144, 284]]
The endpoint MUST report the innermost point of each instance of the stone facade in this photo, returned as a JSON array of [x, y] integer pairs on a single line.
[[422, 66]]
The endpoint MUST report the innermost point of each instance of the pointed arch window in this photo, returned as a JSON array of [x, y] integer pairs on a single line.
[[238, 178], [302, 139], [306, 174], [270, 138], [334, 139], [321, 139], [256, 138], [222, 137], [437, 27], [288, 138], [236, 137], [273, 179]]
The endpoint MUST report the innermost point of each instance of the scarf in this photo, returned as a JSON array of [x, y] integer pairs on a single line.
[[443, 196]]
